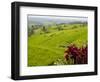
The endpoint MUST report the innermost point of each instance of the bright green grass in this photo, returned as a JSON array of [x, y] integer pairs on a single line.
[[44, 49]]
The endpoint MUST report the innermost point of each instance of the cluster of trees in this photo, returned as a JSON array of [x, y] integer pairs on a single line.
[[45, 28], [32, 28]]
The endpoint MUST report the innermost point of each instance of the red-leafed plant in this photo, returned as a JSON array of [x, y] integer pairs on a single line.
[[79, 55]]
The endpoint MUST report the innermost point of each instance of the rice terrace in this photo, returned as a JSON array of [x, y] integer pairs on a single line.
[[57, 40]]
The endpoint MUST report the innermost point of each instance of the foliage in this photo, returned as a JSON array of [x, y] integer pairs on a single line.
[[31, 30], [79, 55]]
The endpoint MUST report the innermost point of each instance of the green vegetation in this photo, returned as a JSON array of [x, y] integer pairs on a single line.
[[46, 44]]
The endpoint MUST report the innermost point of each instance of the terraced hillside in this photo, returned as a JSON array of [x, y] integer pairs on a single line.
[[45, 48]]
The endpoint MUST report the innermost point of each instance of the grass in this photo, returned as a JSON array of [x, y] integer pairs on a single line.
[[45, 48]]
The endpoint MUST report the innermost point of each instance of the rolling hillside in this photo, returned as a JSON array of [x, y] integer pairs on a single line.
[[45, 48]]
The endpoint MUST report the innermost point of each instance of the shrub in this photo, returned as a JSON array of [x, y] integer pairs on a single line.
[[79, 55]]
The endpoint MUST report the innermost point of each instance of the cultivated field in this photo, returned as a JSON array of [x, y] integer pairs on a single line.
[[46, 44]]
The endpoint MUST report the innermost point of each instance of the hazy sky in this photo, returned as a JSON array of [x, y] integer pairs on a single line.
[[55, 19]]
